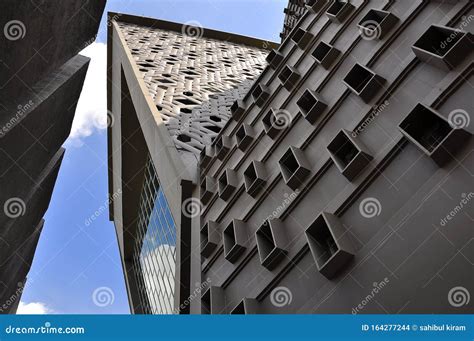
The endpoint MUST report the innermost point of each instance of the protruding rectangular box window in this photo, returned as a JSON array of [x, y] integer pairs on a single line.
[[363, 82], [227, 184], [210, 238], [208, 188], [237, 109], [245, 135], [272, 243], [350, 155], [339, 10], [274, 58], [329, 243], [294, 167], [443, 47], [311, 105], [255, 177], [235, 238], [376, 24], [213, 301], [433, 134], [289, 76], [315, 5], [302, 38], [223, 145], [275, 121], [248, 306], [206, 155], [260, 94], [325, 54]]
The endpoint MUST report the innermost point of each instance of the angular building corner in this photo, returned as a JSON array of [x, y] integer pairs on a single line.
[[41, 76], [330, 178], [170, 89]]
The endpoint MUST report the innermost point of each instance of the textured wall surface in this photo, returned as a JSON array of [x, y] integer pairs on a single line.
[[338, 201], [41, 78], [189, 76], [170, 88], [293, 12]]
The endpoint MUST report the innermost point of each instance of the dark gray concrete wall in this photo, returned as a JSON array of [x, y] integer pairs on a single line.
[[42, 36]]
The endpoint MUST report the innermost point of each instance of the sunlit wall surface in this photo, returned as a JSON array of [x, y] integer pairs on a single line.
[[155, 251]]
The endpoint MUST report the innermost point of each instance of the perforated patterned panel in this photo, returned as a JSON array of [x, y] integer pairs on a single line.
[[293, 12], [193, 80]]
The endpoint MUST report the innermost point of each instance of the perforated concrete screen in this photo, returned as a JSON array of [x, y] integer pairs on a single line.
[[192, 80]]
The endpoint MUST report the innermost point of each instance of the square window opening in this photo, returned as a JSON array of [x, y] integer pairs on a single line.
[[307, 102], [358, 77], [438, 40], [229, 237], [427, 128], [321, 51], [320, 235], [343, 149], [239, 309], [265, 240]]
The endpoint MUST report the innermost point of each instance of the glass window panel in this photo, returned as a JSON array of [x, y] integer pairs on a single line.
[[155, 249]]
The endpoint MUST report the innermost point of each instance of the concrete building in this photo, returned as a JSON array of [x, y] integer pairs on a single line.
[[293, 13], [341, 183], [41, 78], [170, 89]]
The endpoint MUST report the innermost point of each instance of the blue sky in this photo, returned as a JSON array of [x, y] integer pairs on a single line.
[[75, 258]]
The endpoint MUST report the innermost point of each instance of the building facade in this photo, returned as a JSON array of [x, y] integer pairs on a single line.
[[351, 186], [170, 90], [293, 13], [41, 78], [341, 182]]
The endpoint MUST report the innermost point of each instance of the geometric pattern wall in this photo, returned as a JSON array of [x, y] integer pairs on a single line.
[[186, 71], [293, 12], [341, 184]]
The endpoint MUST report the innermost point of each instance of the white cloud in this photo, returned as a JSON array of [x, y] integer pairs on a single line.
[[91, 112], [159, 264], [33, 308]]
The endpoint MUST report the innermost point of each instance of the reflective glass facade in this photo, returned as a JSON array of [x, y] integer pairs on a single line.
[[155, 250]]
